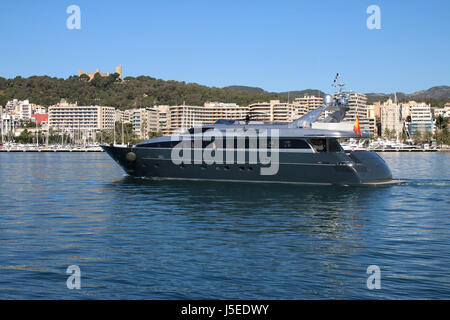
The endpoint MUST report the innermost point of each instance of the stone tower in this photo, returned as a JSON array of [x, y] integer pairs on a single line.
[[119, 71]]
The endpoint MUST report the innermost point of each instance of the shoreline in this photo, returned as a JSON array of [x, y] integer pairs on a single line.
[[98, 149]]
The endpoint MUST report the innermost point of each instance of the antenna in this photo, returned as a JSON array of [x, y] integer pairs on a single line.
[[337, 83]]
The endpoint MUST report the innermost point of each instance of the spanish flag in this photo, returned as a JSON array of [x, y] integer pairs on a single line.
[[356, 127]]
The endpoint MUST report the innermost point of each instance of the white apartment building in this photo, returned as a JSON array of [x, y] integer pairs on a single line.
[[357, 102], [152, 121], [25, 110], [144, 120], [306, 104], [162, 114], [273, 111], [39, 110], [405, 109], [67, 116], [7, 123], [137, 118], [421, 118], [181, 118], [122, 116], [443, 112], [391, 117]]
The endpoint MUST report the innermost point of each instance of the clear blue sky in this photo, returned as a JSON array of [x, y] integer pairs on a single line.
[[276, 45]]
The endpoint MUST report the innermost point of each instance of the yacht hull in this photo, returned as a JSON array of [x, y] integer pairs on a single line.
[[338, 168]]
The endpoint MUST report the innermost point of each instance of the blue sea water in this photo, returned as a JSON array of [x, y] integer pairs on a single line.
[[140, 239]]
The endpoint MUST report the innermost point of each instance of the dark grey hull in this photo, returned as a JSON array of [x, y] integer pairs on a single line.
[[338, 168]]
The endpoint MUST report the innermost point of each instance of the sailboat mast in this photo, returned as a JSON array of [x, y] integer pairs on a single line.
[[1, 122], [123, 141]]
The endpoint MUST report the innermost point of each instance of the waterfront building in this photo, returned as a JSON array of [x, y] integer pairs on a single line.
[[180, 118], [41, 119], [162, 114], [144, 121], [122, 116], [7, 124], [369, 125], [357, 103], [405, 109], [376, 107], [305, 104], [443, 112], [369, 122], [391, 117], [68, 116], [152, 120], [137, 117], [12, 106], [371, 111], [39, 110], [273, 111], [23, 109], [421, 118], [118, 70]]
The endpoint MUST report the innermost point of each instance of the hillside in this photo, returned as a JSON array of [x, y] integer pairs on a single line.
[[246, 89], [141, 91], [145, 91], [292, 94], [436, 96]]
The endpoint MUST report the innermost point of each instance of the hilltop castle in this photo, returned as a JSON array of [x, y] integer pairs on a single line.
[[103, 74]]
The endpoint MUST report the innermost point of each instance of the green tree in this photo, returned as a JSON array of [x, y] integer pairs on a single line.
[[392, 134], [25, 137], [84, 77], [428, 135], [443, 137], [417, 137]]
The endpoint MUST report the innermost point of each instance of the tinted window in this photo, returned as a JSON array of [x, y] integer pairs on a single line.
[[294, 144], [320, 145], [195, 130]]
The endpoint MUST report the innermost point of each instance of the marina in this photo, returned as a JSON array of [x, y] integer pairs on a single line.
[[56, 148]]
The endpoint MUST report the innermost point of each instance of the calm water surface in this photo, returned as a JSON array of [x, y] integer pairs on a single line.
[[141, 239]]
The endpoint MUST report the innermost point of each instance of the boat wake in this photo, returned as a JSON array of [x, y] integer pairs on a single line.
[[426, 183]]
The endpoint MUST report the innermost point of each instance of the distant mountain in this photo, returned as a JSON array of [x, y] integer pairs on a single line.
[[440, 92], [302, 93], [435, 95]]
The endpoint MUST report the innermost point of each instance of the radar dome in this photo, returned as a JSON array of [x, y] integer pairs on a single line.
[[327, 99]]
